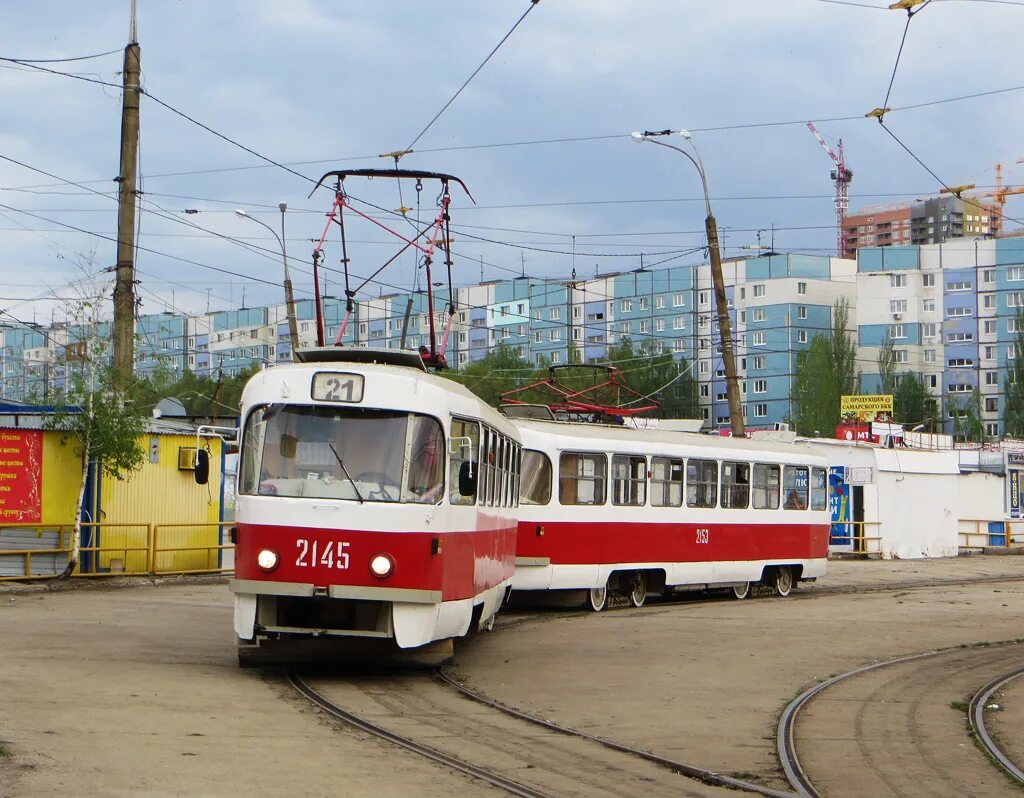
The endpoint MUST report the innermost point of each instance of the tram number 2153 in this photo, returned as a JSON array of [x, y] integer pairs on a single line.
[[329, 554], [703, 535]]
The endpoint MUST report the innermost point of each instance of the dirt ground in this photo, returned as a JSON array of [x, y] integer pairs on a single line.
[[116, 692]]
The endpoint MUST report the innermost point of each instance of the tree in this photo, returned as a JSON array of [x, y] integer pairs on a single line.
[[912, 403], [887, 368], [102, 422], [1013, 386], [826, 371], [501, 370], [650, 369], [967, 421]]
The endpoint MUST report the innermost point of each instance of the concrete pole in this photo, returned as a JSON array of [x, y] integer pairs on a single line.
[[289, 297], [124, 288], [732, 387]]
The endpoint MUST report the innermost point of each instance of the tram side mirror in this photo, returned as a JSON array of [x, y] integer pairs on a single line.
[[288, 446], [202, 472], [467, 478]]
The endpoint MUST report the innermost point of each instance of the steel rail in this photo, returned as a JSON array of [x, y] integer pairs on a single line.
[[513, 787], [708, 777], [786, 734], [976, 717]]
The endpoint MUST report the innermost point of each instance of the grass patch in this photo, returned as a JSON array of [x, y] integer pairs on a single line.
[[960, 706], [4, 752]]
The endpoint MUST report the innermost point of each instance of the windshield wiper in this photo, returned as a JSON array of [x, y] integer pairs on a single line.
[[342, 464]]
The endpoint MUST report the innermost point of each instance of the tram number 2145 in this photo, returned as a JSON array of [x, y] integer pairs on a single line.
[[703, 535], [327, 553]]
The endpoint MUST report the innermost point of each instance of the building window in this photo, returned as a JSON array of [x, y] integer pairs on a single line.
[[801, 288], [990, 327], [988, 275], [959, 338], [899, 355], [644, 304], [626, 306], [897, 306], [555, 334], [703, 367], [760, 361], [659, 325], [556, 357], [929, 355], [555, 314], [928, 305], [1015, 299], [757, 339], [932, 380], [757, 314], [677, 345], [960, 312], [801, 311], [644, 326], [928, 329], [928, 280], [990, 353], [991, 377], [801, 336], [702, 297], [624, 328], [760, 386], [537, 336], [659, 302], [760, 410], [959, 362], [704, 390], [678, 323], [758, 290], [988, 301], [677, 300], [958, 286], [897, 331], [1015, 274], [897, 281]]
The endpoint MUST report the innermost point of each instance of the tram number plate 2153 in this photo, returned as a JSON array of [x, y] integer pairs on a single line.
[[326, 553]]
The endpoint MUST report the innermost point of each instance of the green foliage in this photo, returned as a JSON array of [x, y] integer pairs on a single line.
[[967, 421], [887, 368], [825, 371], [650, 369], [104, 424], [1013, 387], [202, 396], [501, 370], [912, 403]]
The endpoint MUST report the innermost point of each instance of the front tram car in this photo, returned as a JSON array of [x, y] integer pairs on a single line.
[[375, 500]]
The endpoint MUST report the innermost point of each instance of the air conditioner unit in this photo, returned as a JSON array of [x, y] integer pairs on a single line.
[[897, 316], [187, 458]]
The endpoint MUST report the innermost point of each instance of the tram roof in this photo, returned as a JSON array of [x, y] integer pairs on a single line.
[[642, 440]]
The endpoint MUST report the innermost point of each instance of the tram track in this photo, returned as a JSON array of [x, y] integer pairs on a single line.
[[976, 717], [904, 759], [516, 752]]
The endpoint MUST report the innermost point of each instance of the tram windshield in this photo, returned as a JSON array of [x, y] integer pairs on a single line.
[[343, 453]]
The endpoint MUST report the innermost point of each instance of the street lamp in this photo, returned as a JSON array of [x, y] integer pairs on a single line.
[[732, 388], [289, 297]]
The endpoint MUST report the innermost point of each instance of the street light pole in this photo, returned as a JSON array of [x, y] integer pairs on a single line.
[[289, 297], [732, 388]]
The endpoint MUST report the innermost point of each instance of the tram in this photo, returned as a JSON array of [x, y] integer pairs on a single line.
[[375, 500], [611, 509]]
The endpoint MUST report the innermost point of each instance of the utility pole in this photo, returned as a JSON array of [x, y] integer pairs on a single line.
[[289, 297], [127, 179]]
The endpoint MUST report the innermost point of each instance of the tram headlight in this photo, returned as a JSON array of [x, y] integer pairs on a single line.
[[267, 559], [381, 565]]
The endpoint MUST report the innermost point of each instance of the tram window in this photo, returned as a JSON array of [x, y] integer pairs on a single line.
[[535, 479], [464, 448], [252, 451], [819, 489], [666, 482], [795, 483], [581, 478], [736, 485], [701, 483], [486, 466], [629, 480], [766, 483], [425, 483]]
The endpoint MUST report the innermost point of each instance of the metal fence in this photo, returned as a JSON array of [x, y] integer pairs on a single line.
[[40, 551], [986, 532]]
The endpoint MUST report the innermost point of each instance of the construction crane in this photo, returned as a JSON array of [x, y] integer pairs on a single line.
[[994, 210], [841, 176]]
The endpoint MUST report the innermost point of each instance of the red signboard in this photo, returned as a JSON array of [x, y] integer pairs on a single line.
[[21, 476], [855, 432]]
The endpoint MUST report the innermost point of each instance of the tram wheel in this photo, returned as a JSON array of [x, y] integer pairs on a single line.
[[597, 597], [741, 590], [783, 580], [638, 591]]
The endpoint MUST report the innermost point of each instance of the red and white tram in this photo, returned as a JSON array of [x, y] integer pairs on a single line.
[[375, 500], [614, 509]]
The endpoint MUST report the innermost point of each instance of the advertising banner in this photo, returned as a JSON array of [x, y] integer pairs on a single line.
[[840, 502], [865, 407], [21, 476]]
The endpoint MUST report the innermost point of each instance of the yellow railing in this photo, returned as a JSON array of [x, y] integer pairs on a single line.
[[862, 542], [191, 558], [981, 536], [126, 549]]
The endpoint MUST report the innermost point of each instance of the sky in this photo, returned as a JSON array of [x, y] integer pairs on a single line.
[[318, 86]]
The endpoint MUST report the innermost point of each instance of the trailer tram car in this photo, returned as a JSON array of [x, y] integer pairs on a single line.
[[610, 509], [375, 500]]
